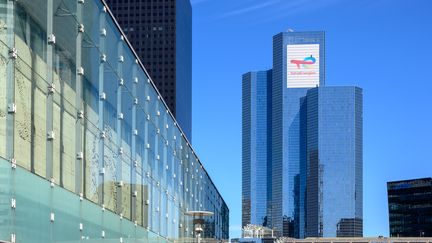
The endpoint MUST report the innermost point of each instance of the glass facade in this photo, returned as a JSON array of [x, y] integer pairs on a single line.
[[380, 239], [89, 149], [288, 190], [161, 34], [255, 153], [410, 208], [313, 145], [334, 162]]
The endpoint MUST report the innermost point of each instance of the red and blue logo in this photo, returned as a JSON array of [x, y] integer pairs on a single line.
[[305, 63]]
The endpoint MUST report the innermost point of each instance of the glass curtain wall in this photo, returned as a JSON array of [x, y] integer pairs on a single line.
[[78, 110]]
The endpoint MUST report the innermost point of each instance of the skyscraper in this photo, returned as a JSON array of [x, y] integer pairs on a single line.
[[310, 127], [161, 34], [298, 65], [256, 107], [334, 161], [410, 208]]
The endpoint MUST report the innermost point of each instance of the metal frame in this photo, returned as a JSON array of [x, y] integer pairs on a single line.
[[79, 102], [10, 80], [119, 167], [101, 124], [135, 131], [143, 170], [50, 95], [10, 94]]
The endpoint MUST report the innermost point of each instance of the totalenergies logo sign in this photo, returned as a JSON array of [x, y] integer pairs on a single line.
[[305, 63], [303, 66]]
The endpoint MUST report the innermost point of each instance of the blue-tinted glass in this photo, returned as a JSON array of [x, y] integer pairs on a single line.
[[90, 122], [183, 86], [289, 129], [286, 205], [256, 153], [334, 163]]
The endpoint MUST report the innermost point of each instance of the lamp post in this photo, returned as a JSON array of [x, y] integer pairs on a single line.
[[198, 221]]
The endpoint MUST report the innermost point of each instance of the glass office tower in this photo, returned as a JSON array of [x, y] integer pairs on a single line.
[[410, 208], [161, 34], [256, 160], [298, 65], [89, 150], [334, 162], [313, 148]]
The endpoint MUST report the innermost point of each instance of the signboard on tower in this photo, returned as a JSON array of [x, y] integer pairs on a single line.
[[303, 66]]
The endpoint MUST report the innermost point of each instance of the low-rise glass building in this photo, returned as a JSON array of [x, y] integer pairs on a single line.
[[410, 207], [379, 239], [89, 150]]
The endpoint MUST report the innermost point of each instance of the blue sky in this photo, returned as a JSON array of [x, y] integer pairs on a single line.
[[383, 46]]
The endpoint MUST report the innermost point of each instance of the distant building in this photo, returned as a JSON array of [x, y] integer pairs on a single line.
[[379, 239], [334, 161], [356, 240], [256, 234], [256, 119], [161, 34], [313, 144], [253, 240], [410, 208], [298, 65]]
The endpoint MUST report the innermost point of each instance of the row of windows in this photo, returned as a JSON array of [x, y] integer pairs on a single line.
[[154, 42], [166, 70], [143, 35], [158, 56], [125, 14], [152, 63], [160, 77], [136, 8], [156, 49], [124, 22], [153, 28], [150, 29], [144, 4]]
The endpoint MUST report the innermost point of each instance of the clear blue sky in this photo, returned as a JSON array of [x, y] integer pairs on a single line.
[[383, 46]]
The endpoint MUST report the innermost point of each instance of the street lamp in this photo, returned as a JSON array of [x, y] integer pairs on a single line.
[[198, 221]]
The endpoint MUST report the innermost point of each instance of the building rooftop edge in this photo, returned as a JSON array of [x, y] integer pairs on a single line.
[[362, 238], [425, 178], [159, 94]]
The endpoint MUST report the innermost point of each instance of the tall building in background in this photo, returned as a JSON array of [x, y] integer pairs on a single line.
[[161, 34], [298, 65], [256, 107], [313, 147], [334, 161], [410, 208]]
